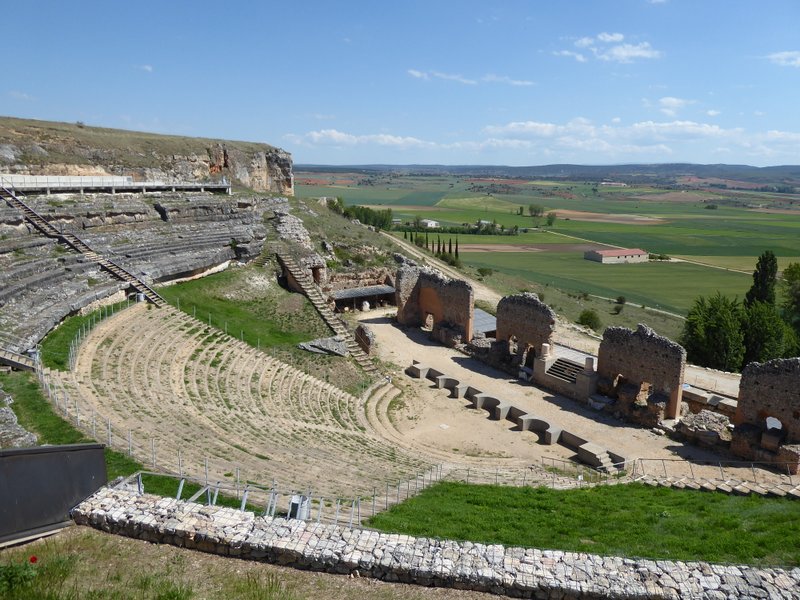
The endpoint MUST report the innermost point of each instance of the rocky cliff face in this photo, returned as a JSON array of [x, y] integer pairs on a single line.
[[43, 148]]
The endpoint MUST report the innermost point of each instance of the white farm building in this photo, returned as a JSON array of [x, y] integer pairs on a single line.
[[617, 255]]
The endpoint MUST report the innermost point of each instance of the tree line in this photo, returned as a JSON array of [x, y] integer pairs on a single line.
[[380, 219], [726, 334]]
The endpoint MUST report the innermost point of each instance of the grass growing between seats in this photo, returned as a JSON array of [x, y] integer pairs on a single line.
[[250, 304], [36, 414], [623, 520], [55, 347]]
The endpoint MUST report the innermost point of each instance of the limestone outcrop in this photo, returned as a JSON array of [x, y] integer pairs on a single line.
[[30, 147]]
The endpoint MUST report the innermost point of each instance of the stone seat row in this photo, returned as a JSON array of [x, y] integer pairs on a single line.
[[245, 404]]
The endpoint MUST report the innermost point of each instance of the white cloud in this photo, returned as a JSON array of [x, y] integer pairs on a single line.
[[627, 53], [17, 95], [439, 75], [491, 78], [713, 113], [145, 68], [334, 137], [670, 105], [610, 37], [785, 59], [609, 47], [576, 55], [577, 140]]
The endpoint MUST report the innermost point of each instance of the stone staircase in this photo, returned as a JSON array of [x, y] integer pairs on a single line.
[[16, 361], [565, 369], [313, 293], [74, 242]]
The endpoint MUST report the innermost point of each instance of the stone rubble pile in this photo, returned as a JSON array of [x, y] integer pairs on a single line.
[[12, 435], [516, 572]]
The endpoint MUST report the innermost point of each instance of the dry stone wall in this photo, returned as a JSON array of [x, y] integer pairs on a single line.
[[651, 363], [516, 572], [421, 292]]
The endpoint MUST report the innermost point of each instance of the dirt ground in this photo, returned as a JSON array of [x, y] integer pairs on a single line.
[[580, 215], [531, 247], [430, 419]]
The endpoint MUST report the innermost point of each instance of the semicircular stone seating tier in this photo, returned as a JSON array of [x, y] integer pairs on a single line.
[[165, 376]]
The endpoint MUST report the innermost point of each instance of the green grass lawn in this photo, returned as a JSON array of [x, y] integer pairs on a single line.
[[622, 520]]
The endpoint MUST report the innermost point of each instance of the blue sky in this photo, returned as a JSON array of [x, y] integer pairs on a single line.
[[513, 82]]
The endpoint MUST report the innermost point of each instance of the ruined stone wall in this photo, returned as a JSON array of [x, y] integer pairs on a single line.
[[421, 291], [771, 389], [344, 280], [643, 356], [527, 318]]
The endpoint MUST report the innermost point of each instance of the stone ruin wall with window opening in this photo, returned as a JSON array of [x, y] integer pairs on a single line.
[[423, 294], [524, 323], [644, 371], [770, 389]]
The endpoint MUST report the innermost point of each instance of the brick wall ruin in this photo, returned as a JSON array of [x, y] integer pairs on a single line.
[[770, 389], [426, 297], [643, 371], [524, 323]]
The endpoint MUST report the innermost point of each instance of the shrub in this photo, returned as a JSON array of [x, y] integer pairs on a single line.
[[621, 300], [617, 309], [485, 271], [589, 318]]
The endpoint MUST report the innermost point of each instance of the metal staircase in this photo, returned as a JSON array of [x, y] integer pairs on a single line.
[[16, 361], [74, 242], [313, 293]]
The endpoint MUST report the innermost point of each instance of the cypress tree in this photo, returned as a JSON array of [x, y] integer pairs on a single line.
[[764, 278], [450, 247], [456, 247], [405, 234]]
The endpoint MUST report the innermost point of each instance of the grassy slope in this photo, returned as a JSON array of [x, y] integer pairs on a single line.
[[270, 317], [82, 563], [623, 520]]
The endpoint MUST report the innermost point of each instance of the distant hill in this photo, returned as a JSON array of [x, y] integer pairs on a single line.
[[51, 148], [667, 173]]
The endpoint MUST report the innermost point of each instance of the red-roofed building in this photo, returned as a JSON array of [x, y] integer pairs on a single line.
[[617, 255]]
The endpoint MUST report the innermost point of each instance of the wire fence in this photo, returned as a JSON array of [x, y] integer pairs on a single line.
[[280, 499]]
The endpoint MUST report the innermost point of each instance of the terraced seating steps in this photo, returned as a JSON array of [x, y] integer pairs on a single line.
[[80, 246], [165, 375]]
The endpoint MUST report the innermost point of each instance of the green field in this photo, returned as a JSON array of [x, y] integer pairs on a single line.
[[670, 286], [618, 520], [677, 222]]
